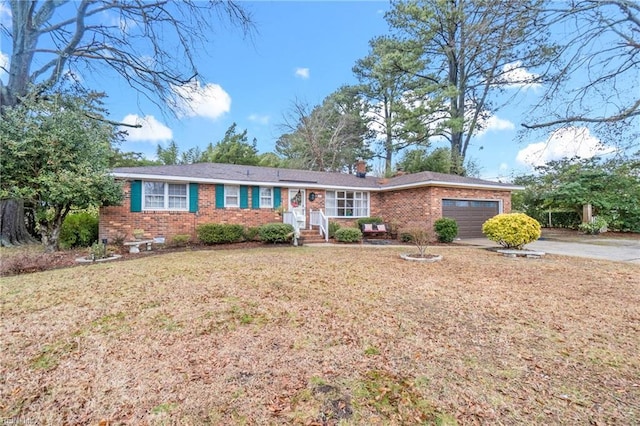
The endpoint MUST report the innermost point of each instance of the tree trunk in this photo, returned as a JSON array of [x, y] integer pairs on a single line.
[[12, 226]]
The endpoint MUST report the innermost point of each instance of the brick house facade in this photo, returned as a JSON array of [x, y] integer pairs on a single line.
[[252, 196]]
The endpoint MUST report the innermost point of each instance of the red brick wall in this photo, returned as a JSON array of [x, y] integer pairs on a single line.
[[422, 206], [408, 208], [119, 220]]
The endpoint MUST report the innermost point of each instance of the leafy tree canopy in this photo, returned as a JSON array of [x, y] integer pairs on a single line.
[[55, 155], [612, 187]]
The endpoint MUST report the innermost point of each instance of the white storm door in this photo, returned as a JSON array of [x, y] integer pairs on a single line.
[[297, 204]]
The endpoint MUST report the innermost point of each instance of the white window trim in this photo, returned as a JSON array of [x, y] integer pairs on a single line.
[[166, 197], [335, 208], [266, 206], [228, 205]]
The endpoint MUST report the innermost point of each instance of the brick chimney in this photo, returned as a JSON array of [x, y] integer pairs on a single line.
[[361, 168]]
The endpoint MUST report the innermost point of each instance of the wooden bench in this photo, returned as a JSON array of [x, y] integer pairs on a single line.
[[374, 230]]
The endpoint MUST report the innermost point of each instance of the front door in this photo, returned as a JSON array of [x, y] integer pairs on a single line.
[[297, 204]]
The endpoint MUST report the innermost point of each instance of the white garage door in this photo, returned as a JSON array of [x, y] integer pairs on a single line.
[[470, 215]]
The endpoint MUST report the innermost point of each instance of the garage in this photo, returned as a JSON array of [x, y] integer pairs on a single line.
[[470, 215]]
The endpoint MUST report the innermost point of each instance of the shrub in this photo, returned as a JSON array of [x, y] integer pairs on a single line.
[[595, 227], [276, 233], [406, 237], [333, 227], [180, 240], [348, 235], [419, 238], [79, 230], [220, 233], [251, 234], [512, 230], [446, 229], [26, 262], [364, 220]]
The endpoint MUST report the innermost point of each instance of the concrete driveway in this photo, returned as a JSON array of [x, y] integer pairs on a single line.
[[620, 250]]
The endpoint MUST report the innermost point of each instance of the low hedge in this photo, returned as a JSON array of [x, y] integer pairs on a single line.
[[220, 233], [275, 233], [446, 229], [348, 235], [512, 230]]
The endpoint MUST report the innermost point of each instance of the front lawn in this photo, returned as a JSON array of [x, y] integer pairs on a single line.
[[323, 335]]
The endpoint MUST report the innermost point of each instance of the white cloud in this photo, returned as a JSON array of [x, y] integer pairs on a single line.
[[302, 73], [260, 119], [151, 131], [209, 101], [563, 143], [503, 167], [4, 64], [5, 15], [516, 76], [494, 124]]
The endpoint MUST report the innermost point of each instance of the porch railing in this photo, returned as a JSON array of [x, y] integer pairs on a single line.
[[317, 218], [291, 218]]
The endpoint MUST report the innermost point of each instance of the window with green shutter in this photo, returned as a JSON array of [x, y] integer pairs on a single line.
[[136, 196], [219, 196], [244, 197], [255, 197], [193, 197]]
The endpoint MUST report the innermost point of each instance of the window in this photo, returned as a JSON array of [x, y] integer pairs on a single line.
[[266, 198], [231, 196], [347, 203], [165, 196]]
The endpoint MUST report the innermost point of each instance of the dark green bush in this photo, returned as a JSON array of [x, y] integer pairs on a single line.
[[446, 229], [333, 227], [364, 220], [348, 235], [251, 234], [79, 230], [276, 233], [220, 233]]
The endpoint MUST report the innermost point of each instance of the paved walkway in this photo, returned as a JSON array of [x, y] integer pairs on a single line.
[[620, 250]]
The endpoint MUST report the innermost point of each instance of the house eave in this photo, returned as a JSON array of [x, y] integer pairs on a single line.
[[310, 184], [496, 187]]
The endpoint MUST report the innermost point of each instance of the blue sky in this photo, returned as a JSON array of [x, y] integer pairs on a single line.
[[305, 51]]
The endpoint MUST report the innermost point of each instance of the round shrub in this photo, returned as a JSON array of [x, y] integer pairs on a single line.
[[512, 230], [79, 230], [333, 227], [348, 235], [276, 233], [220, 233], [446, 229]]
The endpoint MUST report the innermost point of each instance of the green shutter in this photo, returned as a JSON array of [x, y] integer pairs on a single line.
[[136, 196], [277, 197], [193, 197], [255, 197], [244, 197], [219, 196]]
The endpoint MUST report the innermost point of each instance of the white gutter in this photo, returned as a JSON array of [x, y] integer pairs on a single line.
[[309, 184]]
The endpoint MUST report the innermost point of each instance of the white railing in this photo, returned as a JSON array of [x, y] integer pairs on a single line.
[[291, 218], [317, 218]]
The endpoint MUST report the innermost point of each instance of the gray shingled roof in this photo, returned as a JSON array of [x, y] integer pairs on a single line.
[[255, 175]]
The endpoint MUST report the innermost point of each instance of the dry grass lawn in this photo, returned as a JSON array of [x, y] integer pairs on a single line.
[[323, 335]]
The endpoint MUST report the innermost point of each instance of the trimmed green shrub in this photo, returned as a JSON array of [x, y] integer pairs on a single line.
[[276, 233], [512, 230], [251, 234], [446, 229], [333, 227], [180, 240], [364, 220], [79, 230], [220, 233], [594, 227], [348, 235]]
